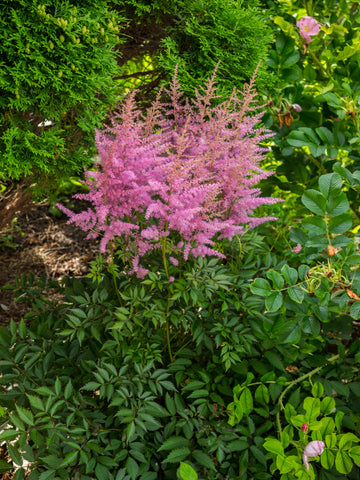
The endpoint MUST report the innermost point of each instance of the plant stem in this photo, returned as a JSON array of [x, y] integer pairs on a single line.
[[113, 273], [294, 382], [167, 326]]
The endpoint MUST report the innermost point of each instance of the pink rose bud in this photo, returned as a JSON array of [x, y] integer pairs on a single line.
[[312, 449], [308, 27], [297, 249], [304, 428], [296, 107]]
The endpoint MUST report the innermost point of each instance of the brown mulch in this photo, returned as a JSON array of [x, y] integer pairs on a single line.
[[41, 244]]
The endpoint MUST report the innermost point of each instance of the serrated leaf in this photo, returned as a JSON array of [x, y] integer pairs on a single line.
[[258, 455], [296, 294], [132, 468], [343, 462], [8, 435], [69, 458], [57, 386], [314, 201], [293, 336], [15, 454], [261, 287], [325, 134], [175, 442], [25, 415], [316, 225], [238, 445], [327, 459], [274, 359], [177, 455], [35, 402], [346, 440], [186, 472], [48, 474], [5, 466], [246, 401], [340, 224], [274, 446], [290, 274], [317, 390], [337, 205], [312, 408], [22, 328], [276, 278], [68, 390], [203, 459], [274, 301], [330, 184], [355, 310], [262, 394], [354, 453]]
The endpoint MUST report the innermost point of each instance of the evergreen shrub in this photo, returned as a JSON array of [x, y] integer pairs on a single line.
[[57, 63], [194, 35]]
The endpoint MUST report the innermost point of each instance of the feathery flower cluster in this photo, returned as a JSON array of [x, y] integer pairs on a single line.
[[184, 168]]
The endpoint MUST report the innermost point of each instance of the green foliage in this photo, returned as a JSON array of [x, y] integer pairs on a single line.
[[194, 36], [322, 77], [234, 33], [135, 379], [57, 64], [86, 393]]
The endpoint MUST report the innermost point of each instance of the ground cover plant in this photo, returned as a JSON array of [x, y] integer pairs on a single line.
[[217, 334]]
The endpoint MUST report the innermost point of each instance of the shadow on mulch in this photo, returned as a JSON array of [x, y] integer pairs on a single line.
[[42, 245]]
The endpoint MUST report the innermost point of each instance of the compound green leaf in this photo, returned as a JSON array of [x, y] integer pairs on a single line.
[[186, 472], [343, 462], [274, 301], [330, 184], [177, 455], [314, 201], [261, 287]]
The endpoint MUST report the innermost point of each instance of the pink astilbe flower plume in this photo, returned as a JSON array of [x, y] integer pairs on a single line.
[[182, 168]]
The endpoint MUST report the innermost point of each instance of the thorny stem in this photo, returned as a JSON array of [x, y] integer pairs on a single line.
[[294, 382]]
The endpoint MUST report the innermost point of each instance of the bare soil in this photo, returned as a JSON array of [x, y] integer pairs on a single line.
[[41, 244]]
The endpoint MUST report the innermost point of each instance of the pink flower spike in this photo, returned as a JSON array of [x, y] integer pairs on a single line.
[[297, 249], [304, 428], [312, 449], [296, 107], [308, 27]]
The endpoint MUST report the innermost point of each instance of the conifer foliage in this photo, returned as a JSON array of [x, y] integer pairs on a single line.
[[178, 177], [57, 63]]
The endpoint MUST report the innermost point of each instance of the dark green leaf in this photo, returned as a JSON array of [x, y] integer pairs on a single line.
[[314, 201], [203, 459], [177, 455], [337, 205], [296, 294], [261, 287], [341, 223], [174, 442], [290, 274], [274, 301], [330, 184]]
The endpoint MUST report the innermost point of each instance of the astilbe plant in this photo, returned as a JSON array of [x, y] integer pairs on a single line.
[[177, 178]]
